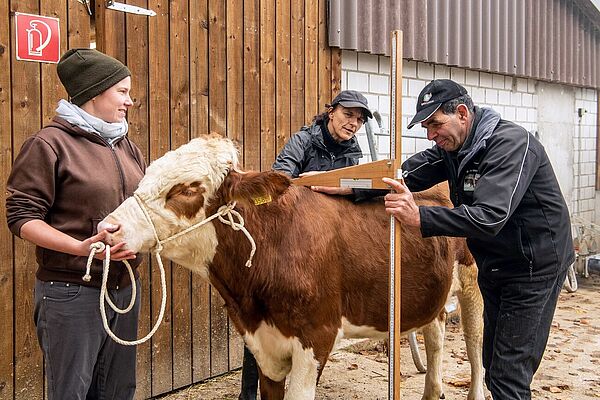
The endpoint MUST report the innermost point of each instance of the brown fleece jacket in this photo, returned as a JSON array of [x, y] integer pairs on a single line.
[[72, 179]]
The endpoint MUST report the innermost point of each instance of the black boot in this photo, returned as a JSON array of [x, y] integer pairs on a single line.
[[249, 377]]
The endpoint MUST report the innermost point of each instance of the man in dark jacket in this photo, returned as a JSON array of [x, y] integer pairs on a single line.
[[509, 206]]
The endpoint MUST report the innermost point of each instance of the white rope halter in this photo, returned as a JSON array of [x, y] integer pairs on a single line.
[[223, 211]]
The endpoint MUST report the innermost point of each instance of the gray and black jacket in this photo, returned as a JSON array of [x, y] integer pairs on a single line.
[[306, 151], [508, 203]]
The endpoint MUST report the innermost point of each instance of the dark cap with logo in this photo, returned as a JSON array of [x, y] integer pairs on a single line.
[[350, 99], [431, 98]]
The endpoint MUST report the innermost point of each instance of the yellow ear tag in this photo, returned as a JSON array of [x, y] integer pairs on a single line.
[[262, 200]]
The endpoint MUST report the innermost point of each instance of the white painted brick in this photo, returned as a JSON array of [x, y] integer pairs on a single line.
[[510, 82], [384, 65], [510, 113], [527, 100], [498, 81], [531, 86], [379, 84], [532, 115], [372, 100], [424, 71], [441, 72], [535, 100], [344, 80], [504, 97], [590, 94], [384, 104], [408, 145], [458, 75], [499, 109], [368, 62], [349, 60], [364, 143], [516, 99], [486, 80], [422, 144], [491, 96], [409, 69], [415, 87], [409, 106], [521, 85], [358, 81], [521, 115], [404, 87], [383, 144], [478, 95], [472, 78]]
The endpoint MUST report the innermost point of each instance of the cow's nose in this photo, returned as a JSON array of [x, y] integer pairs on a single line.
[[103, 225]]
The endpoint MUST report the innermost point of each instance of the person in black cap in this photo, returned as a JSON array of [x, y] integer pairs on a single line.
[[63, 181], [328, 143], [508, 204]]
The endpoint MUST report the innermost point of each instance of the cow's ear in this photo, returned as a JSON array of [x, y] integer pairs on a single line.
[[255, 187]]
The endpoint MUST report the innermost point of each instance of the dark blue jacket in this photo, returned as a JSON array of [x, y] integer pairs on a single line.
[[508, 203]]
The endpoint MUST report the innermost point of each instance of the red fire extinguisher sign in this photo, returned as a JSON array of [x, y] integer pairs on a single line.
[[37, 38]]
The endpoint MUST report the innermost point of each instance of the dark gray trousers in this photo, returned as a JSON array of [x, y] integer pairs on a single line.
[[82, 361], [517, 320]]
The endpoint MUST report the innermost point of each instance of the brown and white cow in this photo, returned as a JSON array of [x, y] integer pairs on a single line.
[[320, 271]]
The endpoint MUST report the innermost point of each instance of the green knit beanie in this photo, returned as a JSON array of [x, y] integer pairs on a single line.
[[86, 73]]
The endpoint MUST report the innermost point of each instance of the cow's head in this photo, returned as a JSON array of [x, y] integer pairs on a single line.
[[176, 192]]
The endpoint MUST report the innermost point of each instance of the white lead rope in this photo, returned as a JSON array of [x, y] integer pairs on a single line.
[[98, 247]]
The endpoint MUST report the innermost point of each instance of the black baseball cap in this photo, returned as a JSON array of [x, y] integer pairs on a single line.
[[431, 98], [350, 99]]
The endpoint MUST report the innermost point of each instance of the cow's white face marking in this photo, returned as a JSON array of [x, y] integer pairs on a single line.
[[203, 160], [279, 356]]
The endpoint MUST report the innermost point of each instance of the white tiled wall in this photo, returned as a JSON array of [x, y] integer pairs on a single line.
[[584, 159], [514, 98]]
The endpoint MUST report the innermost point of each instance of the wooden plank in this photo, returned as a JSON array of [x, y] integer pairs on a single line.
[[180, 134], [26, 110], [236, 347], [200, 328], [217, 88], [370, 173], [52, 90], [235, 124], [311, 55], [79, 29], [110, 31], [158, 68], [336, 71], [252, 121], [297, 117], [200, 297], [7, 305], [324, 62], [138, 119], [267, 84], [199, 67], [217, 32], [282, 73], [219, 362], [235, 74]]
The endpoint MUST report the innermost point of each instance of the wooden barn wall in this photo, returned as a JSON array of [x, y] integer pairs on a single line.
[[253, 70]]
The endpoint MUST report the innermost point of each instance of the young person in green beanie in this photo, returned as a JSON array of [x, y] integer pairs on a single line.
[[64, 179]]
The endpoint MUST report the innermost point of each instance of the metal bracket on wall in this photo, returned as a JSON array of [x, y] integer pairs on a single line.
[[86, 3], [111, 5]]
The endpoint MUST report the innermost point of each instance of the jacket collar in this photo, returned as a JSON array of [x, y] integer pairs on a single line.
[[484, 124]]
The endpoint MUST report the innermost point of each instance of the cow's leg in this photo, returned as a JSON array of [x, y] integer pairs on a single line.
[[471, 305], [269, 389], [304, 374], [249, 377], [433, 333]]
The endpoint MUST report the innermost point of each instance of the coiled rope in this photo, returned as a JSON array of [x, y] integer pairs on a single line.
[[98, 247]]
